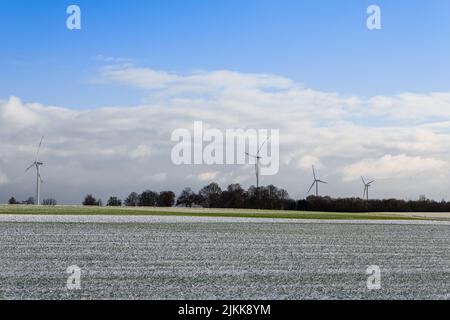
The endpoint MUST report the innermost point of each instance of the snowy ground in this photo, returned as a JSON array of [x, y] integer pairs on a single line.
[[154, 257]]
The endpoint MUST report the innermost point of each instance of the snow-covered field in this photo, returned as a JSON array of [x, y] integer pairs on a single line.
[[191, 219], [130, 257]]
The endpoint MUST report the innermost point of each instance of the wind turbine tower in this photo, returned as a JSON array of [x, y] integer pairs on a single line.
[[316, 182], [37, 164], [257, 157], [366, 188]]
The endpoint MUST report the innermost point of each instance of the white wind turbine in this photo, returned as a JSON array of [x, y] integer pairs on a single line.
[[316, 182], [257, 158], [39, 180], [366, 188]]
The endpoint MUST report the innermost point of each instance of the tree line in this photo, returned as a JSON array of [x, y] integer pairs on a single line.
[[32, 201], [266, 197]]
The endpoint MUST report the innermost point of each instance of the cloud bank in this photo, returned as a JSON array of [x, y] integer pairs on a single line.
[[113, 151]]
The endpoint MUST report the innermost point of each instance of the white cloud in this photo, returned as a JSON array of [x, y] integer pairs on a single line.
[[3, 179], [159, 177], [208, 176], [393, 167], [307, 161], [411, 106], [109, 59], [200, 81], [124, 149], [15, 113], [141, 152]]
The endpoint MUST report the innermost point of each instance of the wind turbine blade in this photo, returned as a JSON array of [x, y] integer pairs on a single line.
[[39, 148], [311, 186], [314, 173], [262, 145], [250, 155], [40, 178], [363, 180], [31, 166], [371, 182], [322, 181]]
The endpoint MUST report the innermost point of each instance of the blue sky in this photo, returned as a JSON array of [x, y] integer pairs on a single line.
[[324, 45]]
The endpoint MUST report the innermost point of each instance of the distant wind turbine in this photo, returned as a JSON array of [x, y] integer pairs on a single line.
[[257, 158], [39, 180], [366, 188], [316, 182]]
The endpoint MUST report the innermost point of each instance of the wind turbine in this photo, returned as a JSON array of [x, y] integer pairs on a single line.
[[39, 180], [316, 182], [257, 158], [366, 187]]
